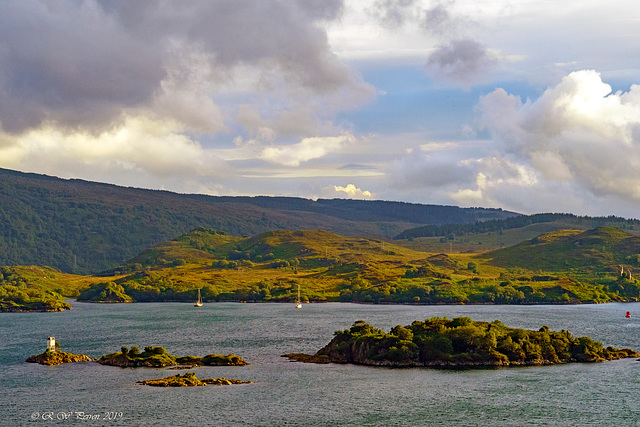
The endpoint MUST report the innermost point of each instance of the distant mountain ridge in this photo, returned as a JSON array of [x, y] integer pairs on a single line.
[[85, 227], [564, 220]]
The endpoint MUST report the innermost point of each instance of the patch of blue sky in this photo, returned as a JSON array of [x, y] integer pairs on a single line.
[[409, 101]]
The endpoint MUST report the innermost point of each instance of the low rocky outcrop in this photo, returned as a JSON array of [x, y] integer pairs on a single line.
[[58, 358], [189, 379], [308, 358]]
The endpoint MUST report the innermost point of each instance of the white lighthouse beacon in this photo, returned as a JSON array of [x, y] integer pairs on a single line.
[[51, 344]]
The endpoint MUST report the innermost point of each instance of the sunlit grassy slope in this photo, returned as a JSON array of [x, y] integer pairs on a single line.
[[561, 266]]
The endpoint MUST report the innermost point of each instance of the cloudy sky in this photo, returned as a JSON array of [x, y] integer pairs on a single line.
[[530, 106]]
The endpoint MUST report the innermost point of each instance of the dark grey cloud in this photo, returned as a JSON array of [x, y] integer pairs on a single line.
[[243, 31], [82, 63], [463, 62], [68, 62]]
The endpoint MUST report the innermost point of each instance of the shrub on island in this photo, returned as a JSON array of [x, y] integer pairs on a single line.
[[158, 357]]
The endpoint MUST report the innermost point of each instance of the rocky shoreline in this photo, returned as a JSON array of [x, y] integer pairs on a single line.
[[449, 364], [4, 309]]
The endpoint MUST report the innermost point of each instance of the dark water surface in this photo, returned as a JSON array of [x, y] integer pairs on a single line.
[[291, 394]]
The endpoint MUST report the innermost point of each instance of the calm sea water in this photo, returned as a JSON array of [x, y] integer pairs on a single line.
[[292, 394]]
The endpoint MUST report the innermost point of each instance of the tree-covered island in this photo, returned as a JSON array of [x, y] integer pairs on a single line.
[[459, 342], [157, 357]]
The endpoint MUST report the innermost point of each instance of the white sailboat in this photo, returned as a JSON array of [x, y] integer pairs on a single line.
[[199, 302], [298, 302]]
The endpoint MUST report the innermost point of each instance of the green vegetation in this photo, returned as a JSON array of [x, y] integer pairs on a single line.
[[18, 294], [565, 266], [105, 292], [158, 357], [461, 342], [84, 227], [593, 250]]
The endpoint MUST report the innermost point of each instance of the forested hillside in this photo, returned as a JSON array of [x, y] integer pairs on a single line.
[[86, 227]]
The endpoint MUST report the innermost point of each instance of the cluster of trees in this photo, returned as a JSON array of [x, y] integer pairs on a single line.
[[105, 292], [154, 287], [274, 291], [151, 356], [475, 290], [623, 289], [432, 292], [158, 356], [141, 287], [461, 341], [231, 265], [17, 294]]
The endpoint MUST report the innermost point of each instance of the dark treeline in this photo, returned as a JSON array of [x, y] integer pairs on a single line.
[[494, 225]]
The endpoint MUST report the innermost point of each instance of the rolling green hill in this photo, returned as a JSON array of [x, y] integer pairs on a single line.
[[86, 227], [568, 266], [603, 249]]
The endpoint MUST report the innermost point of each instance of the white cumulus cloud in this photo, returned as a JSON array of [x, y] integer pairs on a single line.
[[578, 130], [352, 191], [575, 148]]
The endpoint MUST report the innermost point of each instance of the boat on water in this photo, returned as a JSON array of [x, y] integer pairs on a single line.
[[298, 301], [198, 303]]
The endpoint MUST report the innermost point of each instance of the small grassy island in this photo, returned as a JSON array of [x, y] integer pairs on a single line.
[[189, 379], [459, 342], [58, 357], [157, 357]]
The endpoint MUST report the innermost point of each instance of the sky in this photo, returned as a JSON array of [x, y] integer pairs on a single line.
[[528, 106]]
